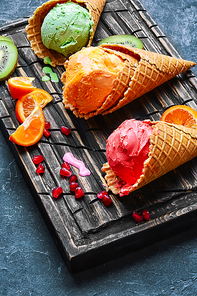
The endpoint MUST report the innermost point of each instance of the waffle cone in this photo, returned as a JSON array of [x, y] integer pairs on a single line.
[[170, 146], [153, 70], [33, 29]]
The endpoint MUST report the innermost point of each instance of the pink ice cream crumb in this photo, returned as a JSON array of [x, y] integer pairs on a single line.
[[83, 171]]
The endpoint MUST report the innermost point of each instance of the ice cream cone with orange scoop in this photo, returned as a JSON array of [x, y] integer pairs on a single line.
[[101, 80]]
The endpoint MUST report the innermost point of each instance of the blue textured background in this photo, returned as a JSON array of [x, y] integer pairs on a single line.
[[30, 264]]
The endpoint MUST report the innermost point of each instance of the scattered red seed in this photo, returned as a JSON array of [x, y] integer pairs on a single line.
[[106, 200], [137, 217], [73, 179], [40, 169], [65, 130], [101, 194], [47, 133], [73, 186], [104, 196], [47, 125], [37, 159], [79, 192], [146, 214], [66, 165], [65, 172], [57, 191]]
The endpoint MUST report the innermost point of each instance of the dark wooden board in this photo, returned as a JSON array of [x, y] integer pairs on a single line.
[[87, 232]]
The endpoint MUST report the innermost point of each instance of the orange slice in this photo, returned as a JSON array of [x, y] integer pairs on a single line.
[[32, 129], [27, 103], [182, 115], [20, 86]]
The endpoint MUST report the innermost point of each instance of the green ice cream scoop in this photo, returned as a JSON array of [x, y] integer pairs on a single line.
[[66, 28]]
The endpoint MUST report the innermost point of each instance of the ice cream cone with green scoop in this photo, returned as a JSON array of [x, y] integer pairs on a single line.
[[58, 29]]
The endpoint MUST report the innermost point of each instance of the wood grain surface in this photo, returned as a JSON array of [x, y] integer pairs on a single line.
[[87, 232]]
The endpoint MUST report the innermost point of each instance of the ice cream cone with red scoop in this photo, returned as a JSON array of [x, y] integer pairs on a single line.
[[139, 152]]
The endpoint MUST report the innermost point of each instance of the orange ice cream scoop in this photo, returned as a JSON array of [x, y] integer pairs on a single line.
[[127, 149], [89, 78]]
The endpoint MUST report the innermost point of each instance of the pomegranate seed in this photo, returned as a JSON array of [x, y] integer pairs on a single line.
[[65, 172], [47, 125], [106, 200], [66, 165], [73, 186], [101, 194], [137, 217], [37, 159], [73, 179], [47, 133], [57, 191], [79, 192], [40, 169], [65, 130], [146, 214]]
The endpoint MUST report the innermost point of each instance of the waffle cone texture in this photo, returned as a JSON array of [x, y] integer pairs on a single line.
[[170, 146], [33, 29], [142, 72]]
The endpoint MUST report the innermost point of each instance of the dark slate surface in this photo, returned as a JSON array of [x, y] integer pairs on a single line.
[[29, 260]]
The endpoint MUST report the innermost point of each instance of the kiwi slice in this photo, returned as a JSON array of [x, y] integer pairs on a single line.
[[128, 40], [5, 39], [8, 57]]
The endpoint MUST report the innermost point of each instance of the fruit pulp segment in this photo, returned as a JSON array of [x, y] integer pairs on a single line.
[[23, 81], [181, 117], [1, 55]]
